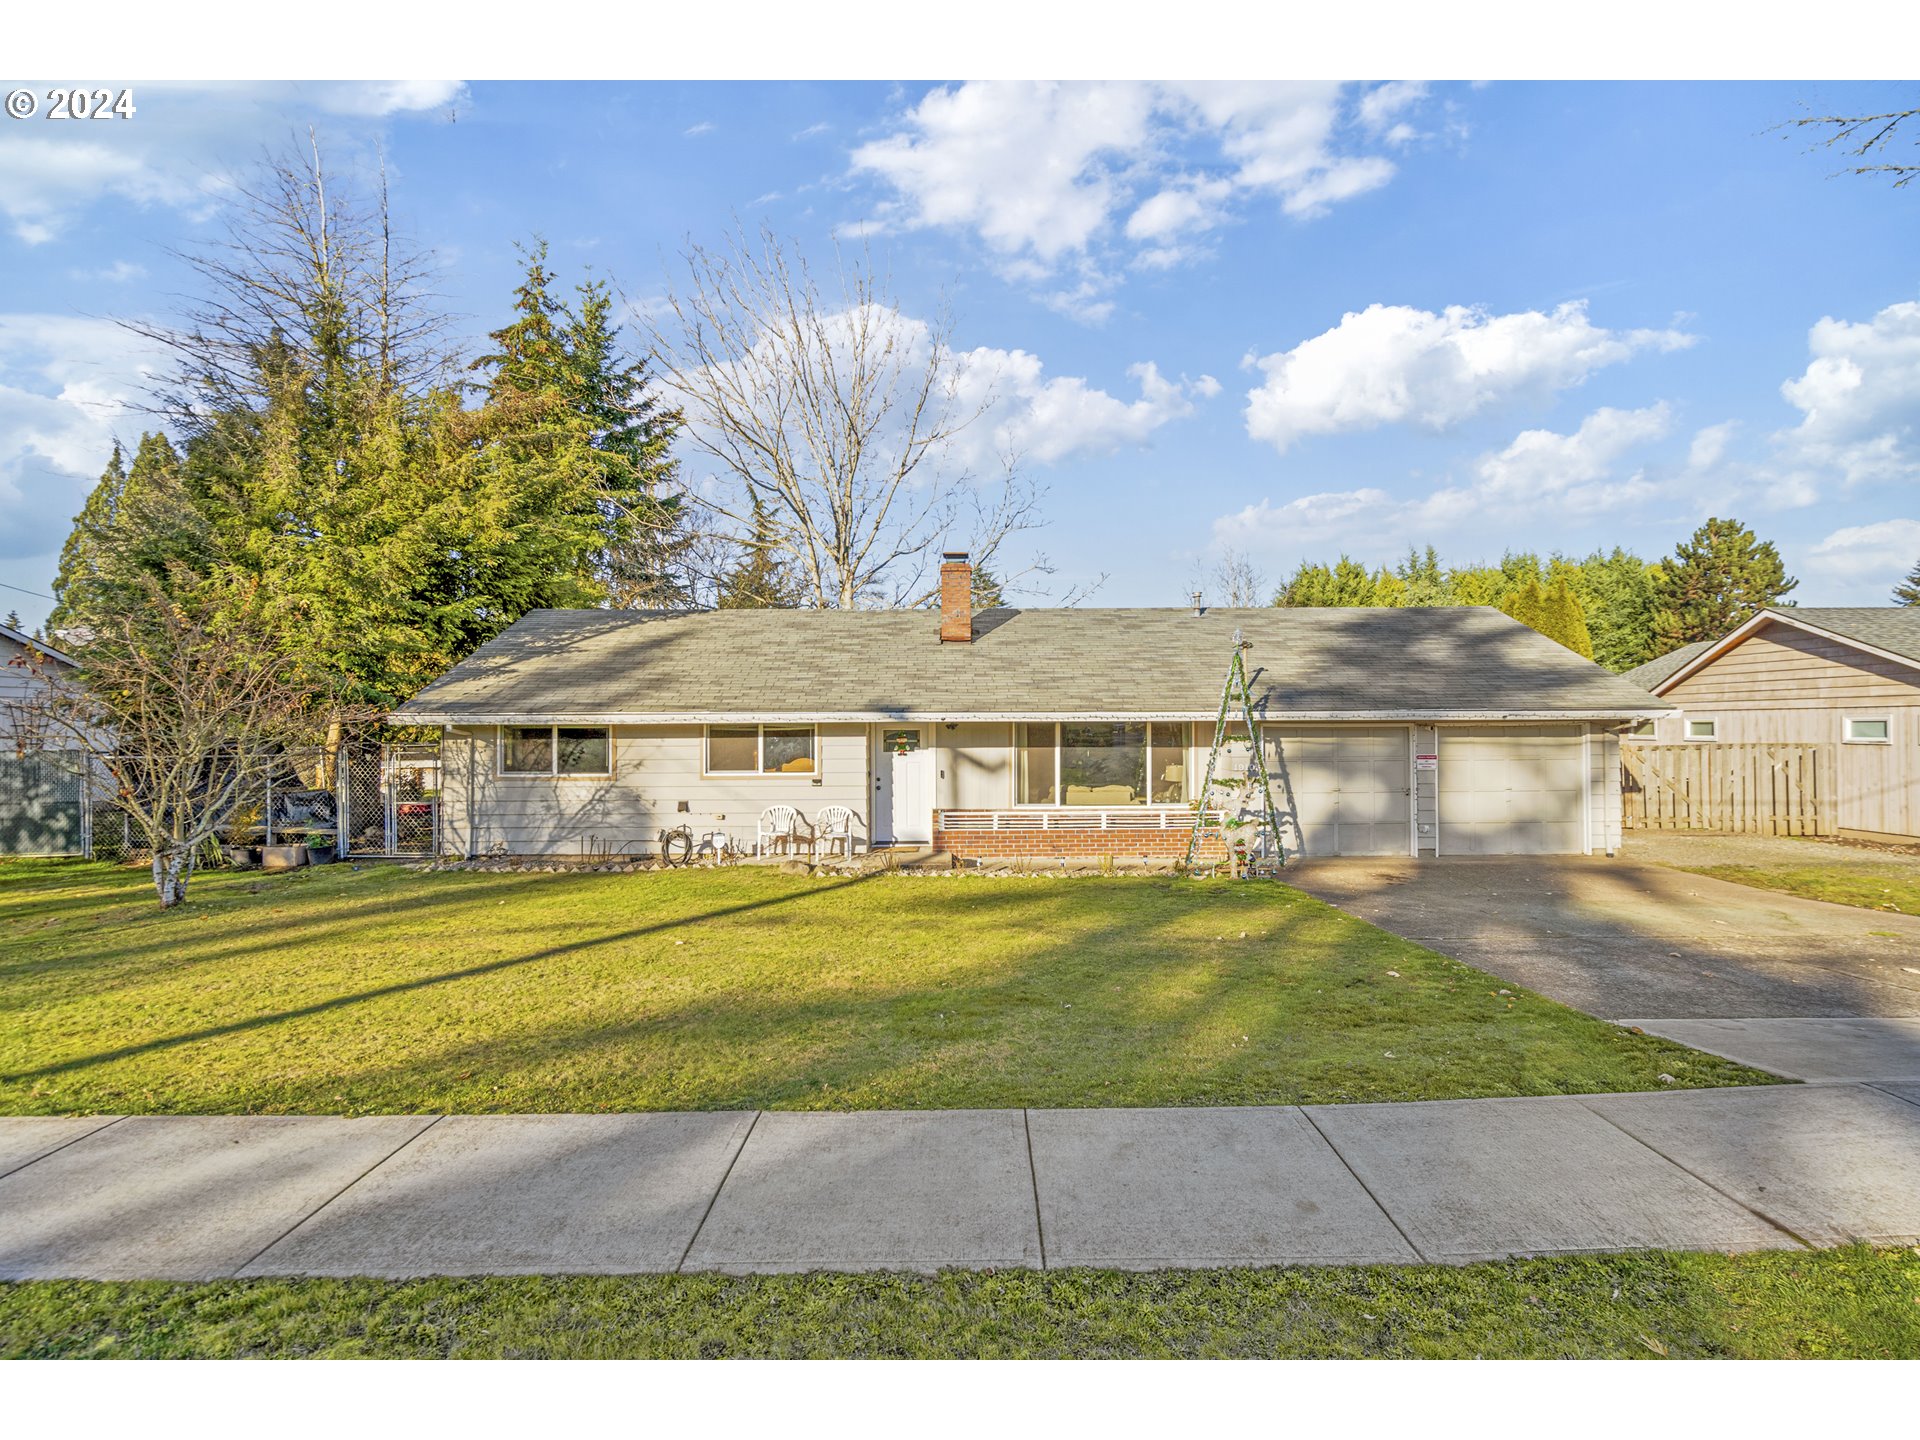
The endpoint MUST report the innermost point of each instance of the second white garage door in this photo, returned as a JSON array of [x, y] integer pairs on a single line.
[[1350, 789], [1512, 790]]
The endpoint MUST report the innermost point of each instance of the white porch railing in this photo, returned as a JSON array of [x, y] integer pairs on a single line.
[[1075, 818]]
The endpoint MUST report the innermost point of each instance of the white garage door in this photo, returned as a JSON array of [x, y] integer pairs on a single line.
[[1512, 790], [1347, 790]]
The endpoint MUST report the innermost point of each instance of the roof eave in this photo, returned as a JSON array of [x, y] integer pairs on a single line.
[[1747, 628], [407, 716]]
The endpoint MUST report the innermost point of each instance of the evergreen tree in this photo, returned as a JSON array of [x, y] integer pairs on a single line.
[[1527, 603], [1616, 592], [987, 591], [1421, 579], [1563, 619], [1346, 583], [1475, 585], [761, 580], [13, 619], [1716, 580], [556, 361], [139, 527], [1907, 592]]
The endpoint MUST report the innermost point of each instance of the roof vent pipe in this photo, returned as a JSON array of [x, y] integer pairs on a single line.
[[1199, 605]]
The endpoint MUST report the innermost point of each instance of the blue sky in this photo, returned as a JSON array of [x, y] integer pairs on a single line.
[[1288, 320]]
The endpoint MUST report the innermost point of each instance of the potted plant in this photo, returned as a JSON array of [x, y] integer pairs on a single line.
[[320, 847]]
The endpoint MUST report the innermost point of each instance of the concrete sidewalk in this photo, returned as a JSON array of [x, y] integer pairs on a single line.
[[196, 1198]]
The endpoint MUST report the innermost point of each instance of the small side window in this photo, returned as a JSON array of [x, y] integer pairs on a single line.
[[1643, 731], [1703, 729], [1876, 731]]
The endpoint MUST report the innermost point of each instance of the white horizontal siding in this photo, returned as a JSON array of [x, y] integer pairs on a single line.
[[655, 769]]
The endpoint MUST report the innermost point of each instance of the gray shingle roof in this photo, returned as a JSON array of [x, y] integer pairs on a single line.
[[613, 666], [1885, 627], [1893, 628], [1654, 671]]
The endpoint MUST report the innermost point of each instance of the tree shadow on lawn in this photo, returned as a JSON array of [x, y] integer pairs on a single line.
[[134, 960], [1127, 1008], [402, 987]]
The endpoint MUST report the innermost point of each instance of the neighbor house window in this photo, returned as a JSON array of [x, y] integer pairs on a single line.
[[1084, 763], [1703, 729], [1869, 732], [1643, 731], [760, 750], [556, 750]]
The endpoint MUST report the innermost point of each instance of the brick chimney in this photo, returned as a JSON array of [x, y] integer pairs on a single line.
[[956, 598]]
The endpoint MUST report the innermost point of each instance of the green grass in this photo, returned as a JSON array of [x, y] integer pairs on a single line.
[[388, 990], [1892, 888], [1855, 1302]]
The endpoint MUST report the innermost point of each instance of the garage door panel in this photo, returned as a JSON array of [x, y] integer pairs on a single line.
[[1512, 790], [1346, 789]]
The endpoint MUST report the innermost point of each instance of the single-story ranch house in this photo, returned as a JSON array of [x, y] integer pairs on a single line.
[[1846, 678], [1069, 732]]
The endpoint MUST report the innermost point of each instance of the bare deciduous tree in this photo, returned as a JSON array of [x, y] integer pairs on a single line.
[[840, 414], [1233, 580], [1865, 138], [181, 716], [309, 266]]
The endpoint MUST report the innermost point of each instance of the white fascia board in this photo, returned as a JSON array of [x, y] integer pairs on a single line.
[[1002, 717]]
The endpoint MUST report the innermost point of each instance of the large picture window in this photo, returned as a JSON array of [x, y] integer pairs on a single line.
[[1085, 763], [556, 750], [761, 750]]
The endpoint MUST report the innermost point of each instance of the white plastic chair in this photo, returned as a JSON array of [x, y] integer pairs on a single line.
[[834, 826], [780, 826]]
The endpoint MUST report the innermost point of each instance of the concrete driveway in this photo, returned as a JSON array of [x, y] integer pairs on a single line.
[[1678, 954]]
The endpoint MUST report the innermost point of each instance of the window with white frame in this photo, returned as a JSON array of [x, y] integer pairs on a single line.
[[761, 750], [1703, 729], [1100, 763], [1869, 730], [556, 750]]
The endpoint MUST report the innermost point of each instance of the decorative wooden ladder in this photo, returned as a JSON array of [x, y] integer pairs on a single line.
[[1238, 688]]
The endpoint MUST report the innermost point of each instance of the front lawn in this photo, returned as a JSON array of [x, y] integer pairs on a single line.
[[383, 989], [1893, 888], [1778, 1305]]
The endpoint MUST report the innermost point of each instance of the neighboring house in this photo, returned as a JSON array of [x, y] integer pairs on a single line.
[[1029, 732], [1849, 678], [20, 655], [42, 800]]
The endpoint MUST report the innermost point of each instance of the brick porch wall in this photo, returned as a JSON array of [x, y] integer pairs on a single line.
[[1073, 844]]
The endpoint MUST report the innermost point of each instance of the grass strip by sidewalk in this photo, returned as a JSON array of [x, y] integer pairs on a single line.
[[386, 990], [1892, 888], [1855, 1302]]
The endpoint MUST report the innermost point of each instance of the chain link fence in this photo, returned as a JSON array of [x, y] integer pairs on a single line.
[[365, 800]]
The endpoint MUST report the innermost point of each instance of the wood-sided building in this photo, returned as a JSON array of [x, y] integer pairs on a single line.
[[1842, 677]]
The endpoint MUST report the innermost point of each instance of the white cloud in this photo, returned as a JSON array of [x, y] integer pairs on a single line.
[[1050, 420], [1709, 445], [695, 130], [1382, 110], [1859, 398], [1572, 471], [1574, 474], [1866, 560], [1392, 364], [67, 385], [184, 144], [120, 272], [1044, 172], [1014, 409]]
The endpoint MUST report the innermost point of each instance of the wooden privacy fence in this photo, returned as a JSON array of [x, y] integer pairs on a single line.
[[1759, 789]]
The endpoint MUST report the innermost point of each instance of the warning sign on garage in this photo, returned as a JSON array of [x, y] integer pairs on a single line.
[[1426, 762]]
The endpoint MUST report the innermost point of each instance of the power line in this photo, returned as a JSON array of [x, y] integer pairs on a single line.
[[24, 591]]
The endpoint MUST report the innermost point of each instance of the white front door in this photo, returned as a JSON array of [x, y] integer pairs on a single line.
[[903, 786]]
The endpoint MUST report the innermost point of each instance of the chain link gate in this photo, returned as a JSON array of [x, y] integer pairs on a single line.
[[389, 799]]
